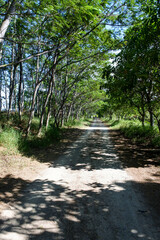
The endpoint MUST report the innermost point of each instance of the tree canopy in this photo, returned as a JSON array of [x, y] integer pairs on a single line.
[[55, 58]]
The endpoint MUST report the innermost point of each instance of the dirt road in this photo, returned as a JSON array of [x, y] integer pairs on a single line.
[[85, 195]]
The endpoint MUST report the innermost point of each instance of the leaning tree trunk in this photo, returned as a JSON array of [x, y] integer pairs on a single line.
[[20, 85], [48, 115], [5, 24], [49, 108], [37, 79]]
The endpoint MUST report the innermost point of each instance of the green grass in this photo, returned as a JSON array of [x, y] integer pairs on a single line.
[[14, 142], [12, 134], [9, 139], [48, 137], [78, 123], [134, 130]]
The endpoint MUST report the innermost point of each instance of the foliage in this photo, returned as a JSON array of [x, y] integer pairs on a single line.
[[49, 137], [132, 83], [136, 132], [13, 140]]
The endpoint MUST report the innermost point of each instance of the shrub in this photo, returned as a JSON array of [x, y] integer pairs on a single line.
[[48, 137]]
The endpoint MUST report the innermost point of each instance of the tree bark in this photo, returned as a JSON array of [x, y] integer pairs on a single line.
[[20, 84], [49, 108], [0, 90], [12, 82], [5, 23]]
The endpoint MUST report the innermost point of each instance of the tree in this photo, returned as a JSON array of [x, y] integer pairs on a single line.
[[137, 65], [5, 23], [54, 47]]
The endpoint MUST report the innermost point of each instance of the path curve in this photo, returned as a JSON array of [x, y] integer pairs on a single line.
[[85, 195]]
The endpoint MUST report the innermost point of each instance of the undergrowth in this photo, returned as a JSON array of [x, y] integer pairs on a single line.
[[12, 134], [14, 142], [134, 130], [77, 122]]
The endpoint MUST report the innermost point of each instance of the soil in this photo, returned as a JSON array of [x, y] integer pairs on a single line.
[[141, 162]]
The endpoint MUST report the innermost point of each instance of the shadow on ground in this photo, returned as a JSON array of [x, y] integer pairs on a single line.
[[50, 209], [133, 154], [44, 214]]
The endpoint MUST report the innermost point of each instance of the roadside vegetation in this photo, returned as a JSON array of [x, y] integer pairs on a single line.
[[13, 138], [134, 130]]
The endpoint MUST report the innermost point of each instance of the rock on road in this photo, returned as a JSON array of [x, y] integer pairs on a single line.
[[85, 195]]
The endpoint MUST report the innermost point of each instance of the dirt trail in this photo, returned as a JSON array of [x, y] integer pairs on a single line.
[[85, 195]]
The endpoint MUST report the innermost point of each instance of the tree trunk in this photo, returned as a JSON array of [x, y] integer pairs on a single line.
[[69, 112], [20, 85], [49, 108], [12, 82], [0, 90], [151, 118], [37, 79], [6, 94], [45, 105], [5, 24], [158, 124], [32, 108], [48, 116], [50, 90]]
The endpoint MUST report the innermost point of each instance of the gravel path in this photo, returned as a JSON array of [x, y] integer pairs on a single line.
[[85, 195]]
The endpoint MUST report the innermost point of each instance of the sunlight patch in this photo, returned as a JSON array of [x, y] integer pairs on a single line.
[[116, 188], [98, 128], [8, 214], [13, 236], [72, 218]]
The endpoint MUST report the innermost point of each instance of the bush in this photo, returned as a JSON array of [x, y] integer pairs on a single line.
[[52, 134], [138, 131], [48, 137]]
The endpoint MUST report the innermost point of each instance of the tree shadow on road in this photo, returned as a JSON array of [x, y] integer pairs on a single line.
[[130, 154], [134, 154], [49, 210]]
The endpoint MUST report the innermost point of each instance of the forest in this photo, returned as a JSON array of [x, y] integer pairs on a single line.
[[72, 59]]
